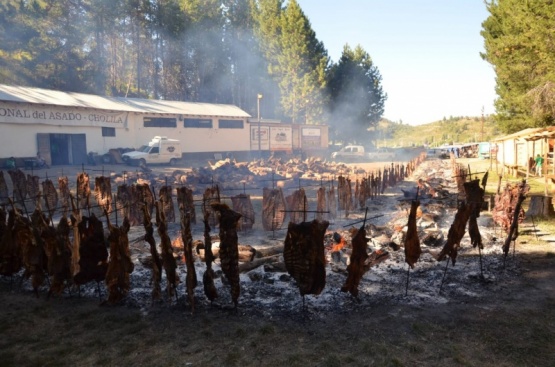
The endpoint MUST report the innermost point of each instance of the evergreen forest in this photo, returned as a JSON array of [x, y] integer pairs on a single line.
[[260, 55]]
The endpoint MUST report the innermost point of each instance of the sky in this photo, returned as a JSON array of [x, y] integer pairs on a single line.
[[427, 52]]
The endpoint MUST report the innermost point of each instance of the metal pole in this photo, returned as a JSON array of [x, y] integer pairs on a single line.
[[258, 97]]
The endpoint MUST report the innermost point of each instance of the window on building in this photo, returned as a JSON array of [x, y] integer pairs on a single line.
[[230, 124], [160, 122], [108, 131], [199, 123]]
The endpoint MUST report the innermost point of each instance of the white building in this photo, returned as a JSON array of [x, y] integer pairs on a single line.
[[64, 127]]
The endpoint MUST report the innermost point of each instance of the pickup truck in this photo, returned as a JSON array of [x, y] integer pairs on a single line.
[[357, 153]]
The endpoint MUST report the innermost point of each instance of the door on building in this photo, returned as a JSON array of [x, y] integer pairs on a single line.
[[63, 149]]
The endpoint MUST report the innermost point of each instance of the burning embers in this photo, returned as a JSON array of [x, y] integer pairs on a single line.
[[303, 251]]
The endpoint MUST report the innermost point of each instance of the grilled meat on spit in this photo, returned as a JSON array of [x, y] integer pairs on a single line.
[[505, 204], [33, 187], [297, 206], [363, 192], [83, 190], [242, 204], [185, 200], [103, 193], [168, 261], [4, 194], [229, 251], [167, 203], [156, 262], [412, 242], [456, 233], [356, 267], [50, 196], [475, 197], [59, 264], [273, 209], [140, 194], [512, 233], [303, 253], [58, 252], [64, 194], [75, 220], [208, 277], [187, 237], [124, 203], [10, 251], [211, 196], [345, 195], [19, 185], [120, 264], [93, 254], [27, 236]]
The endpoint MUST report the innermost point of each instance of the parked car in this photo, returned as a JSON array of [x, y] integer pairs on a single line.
[[357, 153]]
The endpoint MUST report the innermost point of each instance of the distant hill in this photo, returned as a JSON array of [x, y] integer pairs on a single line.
[[446, 131]]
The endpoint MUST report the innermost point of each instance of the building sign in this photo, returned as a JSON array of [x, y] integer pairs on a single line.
[[281, 138], [263, 132], [30, 114], [310, 138], [311, 131]]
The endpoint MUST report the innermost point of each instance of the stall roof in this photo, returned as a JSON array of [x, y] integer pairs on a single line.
[[19, 94], [531, 134], [449, 146]]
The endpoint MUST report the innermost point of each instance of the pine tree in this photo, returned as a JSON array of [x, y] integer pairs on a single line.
[[357, 98], [302, 62], [520, 45]]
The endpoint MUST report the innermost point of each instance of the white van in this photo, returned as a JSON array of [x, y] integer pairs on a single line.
[[160, 150]]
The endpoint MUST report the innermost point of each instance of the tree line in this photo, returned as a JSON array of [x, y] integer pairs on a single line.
[[260, 55]]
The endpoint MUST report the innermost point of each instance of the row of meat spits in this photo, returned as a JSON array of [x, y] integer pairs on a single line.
[[129, 198], [275, 206], [303, 249], [44, 250], [73, 251], [506, 204], [304, 253], [469, 204], [89, 259]]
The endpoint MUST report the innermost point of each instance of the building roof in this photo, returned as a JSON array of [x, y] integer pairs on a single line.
[[531, 134], [18, 94]]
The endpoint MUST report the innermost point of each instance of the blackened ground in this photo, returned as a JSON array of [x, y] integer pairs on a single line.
[[502, 318]]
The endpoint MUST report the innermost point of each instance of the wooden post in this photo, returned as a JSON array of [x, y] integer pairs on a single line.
[[544, 170], [528, 160]]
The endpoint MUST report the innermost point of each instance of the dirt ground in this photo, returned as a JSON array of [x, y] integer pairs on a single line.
[[510, 323]]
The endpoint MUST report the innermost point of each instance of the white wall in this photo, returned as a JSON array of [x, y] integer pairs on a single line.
[[194, 140], [21, 140], [18, 136]]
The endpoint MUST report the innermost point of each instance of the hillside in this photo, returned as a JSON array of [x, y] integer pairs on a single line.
[[446, 131]]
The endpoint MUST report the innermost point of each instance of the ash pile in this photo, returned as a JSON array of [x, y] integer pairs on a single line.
[[345, 247]]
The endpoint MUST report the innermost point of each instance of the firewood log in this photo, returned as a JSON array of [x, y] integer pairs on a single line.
[[250, 265]]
